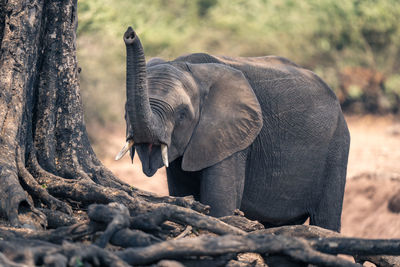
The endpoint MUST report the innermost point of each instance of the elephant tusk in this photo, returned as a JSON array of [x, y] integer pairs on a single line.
[[164, 154], [125, 149]]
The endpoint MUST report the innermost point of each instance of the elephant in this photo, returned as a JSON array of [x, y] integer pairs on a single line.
[[258, 134]]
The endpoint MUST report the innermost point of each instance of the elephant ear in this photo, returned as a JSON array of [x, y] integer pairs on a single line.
[[230, 116]]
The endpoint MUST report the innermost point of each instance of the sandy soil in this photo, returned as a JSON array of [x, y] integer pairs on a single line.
[[373, 174], [373, 178]]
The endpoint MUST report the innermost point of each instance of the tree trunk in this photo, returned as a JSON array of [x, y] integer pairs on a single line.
[[41, 120], [51, 178]]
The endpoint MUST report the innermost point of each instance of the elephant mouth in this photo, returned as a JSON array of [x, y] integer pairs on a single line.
[[151, 158]]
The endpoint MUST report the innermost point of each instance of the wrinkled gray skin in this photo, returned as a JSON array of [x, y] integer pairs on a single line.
[[257, 134]]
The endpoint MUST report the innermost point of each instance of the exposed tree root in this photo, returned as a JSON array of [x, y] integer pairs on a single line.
[[112, 224], [57, 219], [76, 232], [126, 238], [39, 191], [294, 248], [34, 253], [164, 212], [314, 232], [242, 223], [106, 194], [381, 261]]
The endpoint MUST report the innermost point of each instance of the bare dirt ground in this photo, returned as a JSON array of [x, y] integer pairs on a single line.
[[373, 174], [373, 178]]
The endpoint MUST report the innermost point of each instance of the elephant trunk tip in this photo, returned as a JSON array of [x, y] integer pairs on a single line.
[[129, 36]]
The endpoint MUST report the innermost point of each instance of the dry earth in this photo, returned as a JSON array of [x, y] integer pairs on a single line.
[[373, 178], [373, 174]]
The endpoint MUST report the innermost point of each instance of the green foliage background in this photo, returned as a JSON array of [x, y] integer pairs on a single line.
[[323, 35]]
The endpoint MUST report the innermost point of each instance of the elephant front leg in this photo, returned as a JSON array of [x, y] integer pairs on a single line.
[[221, 185]]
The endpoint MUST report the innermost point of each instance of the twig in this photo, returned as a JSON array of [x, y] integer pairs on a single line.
[[185, 232]]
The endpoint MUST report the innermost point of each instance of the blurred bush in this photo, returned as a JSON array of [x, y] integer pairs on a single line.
[[335, 38]]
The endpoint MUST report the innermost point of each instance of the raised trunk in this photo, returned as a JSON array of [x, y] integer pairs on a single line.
[[139, 114]]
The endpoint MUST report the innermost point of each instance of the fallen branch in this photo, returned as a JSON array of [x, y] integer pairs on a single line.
[[356, 246], [161, 213], [56, 236], [294, 248]]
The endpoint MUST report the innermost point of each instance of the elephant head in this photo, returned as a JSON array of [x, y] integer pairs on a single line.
[[201, 112]]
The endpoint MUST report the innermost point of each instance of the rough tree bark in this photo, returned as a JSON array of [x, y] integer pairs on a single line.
[[41, 123], [52, 182]]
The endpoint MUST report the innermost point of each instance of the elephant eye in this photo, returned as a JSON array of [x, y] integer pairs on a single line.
[[181, 114]]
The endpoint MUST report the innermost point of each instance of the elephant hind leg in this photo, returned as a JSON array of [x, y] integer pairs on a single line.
[[329, 209]]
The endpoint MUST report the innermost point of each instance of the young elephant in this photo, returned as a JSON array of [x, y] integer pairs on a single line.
[[257, 134]]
